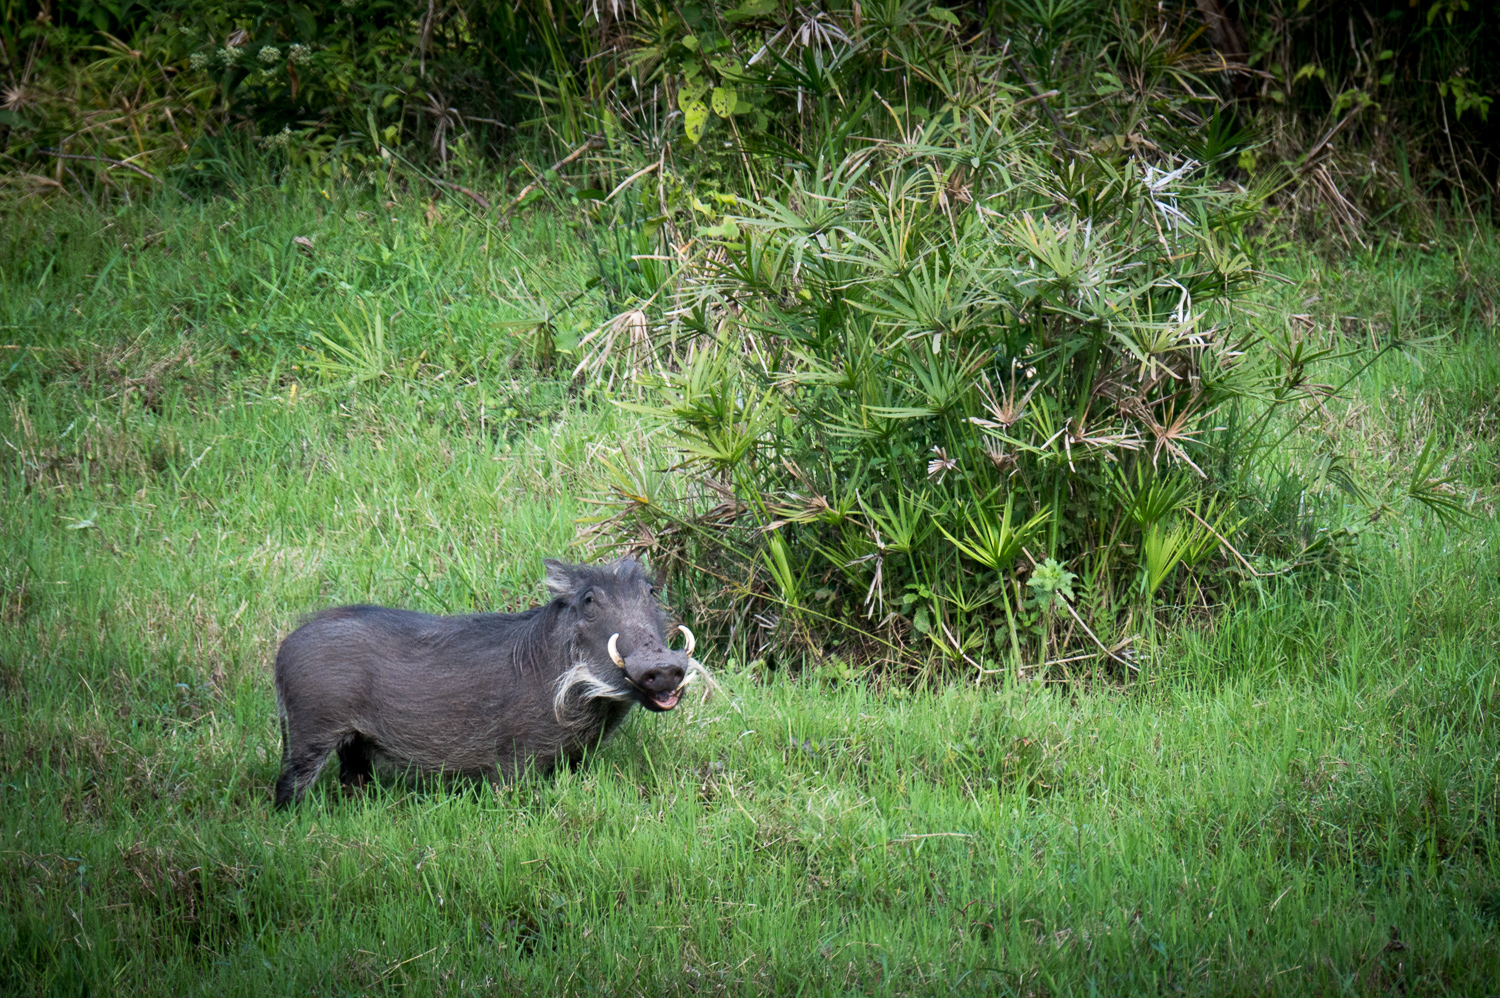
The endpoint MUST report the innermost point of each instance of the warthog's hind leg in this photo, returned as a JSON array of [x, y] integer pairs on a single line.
[[300, 766]]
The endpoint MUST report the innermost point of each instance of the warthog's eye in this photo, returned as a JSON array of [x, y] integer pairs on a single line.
[[655, 592]]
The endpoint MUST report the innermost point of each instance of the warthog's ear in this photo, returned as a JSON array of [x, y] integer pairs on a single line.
[[561, 579]]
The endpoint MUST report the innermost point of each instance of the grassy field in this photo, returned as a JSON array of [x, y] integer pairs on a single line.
[[1299, 795]]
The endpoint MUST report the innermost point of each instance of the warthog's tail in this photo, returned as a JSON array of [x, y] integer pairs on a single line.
[[286, 744], [581, 680]]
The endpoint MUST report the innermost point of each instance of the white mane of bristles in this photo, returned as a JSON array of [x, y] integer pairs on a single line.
[[581, 677]]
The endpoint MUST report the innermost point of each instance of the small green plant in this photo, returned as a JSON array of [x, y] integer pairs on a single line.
[[363, 356], [1162, 548], [1051, 584]]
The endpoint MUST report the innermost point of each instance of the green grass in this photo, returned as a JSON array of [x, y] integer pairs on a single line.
[[1299, 795], [229, 278]]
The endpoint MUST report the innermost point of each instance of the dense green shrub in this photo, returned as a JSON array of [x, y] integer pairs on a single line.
[[956, 401], [926, 379]]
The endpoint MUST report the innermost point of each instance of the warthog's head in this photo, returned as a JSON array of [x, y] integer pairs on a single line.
[[611, 616]]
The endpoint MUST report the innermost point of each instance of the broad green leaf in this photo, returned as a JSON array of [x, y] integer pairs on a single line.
[[690, 91], [695, 120], [724, 101]]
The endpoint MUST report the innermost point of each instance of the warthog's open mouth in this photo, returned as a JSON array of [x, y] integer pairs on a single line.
[[662, 701]]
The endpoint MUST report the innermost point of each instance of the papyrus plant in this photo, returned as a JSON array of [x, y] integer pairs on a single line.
[[920, 374]]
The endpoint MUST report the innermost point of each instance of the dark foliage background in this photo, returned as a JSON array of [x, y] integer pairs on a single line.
[[1359, 114]]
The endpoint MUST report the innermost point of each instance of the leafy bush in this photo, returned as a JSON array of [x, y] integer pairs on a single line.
[[926, 372], [80, 101], [953, 398], [187, 84]]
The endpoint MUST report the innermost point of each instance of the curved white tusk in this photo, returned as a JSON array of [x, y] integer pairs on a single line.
[[614, 650], [691, 641]]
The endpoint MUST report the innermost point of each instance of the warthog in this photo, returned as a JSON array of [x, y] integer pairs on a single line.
[[486, 694]]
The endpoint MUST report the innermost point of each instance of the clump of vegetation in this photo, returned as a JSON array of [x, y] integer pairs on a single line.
[[1381, 120], [920, 370], [917, 376]]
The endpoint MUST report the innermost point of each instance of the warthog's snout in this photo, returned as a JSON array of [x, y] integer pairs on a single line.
[[661, 681], [658, 674]]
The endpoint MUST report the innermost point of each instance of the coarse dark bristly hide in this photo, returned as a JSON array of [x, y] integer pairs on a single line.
[[486, 694]]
